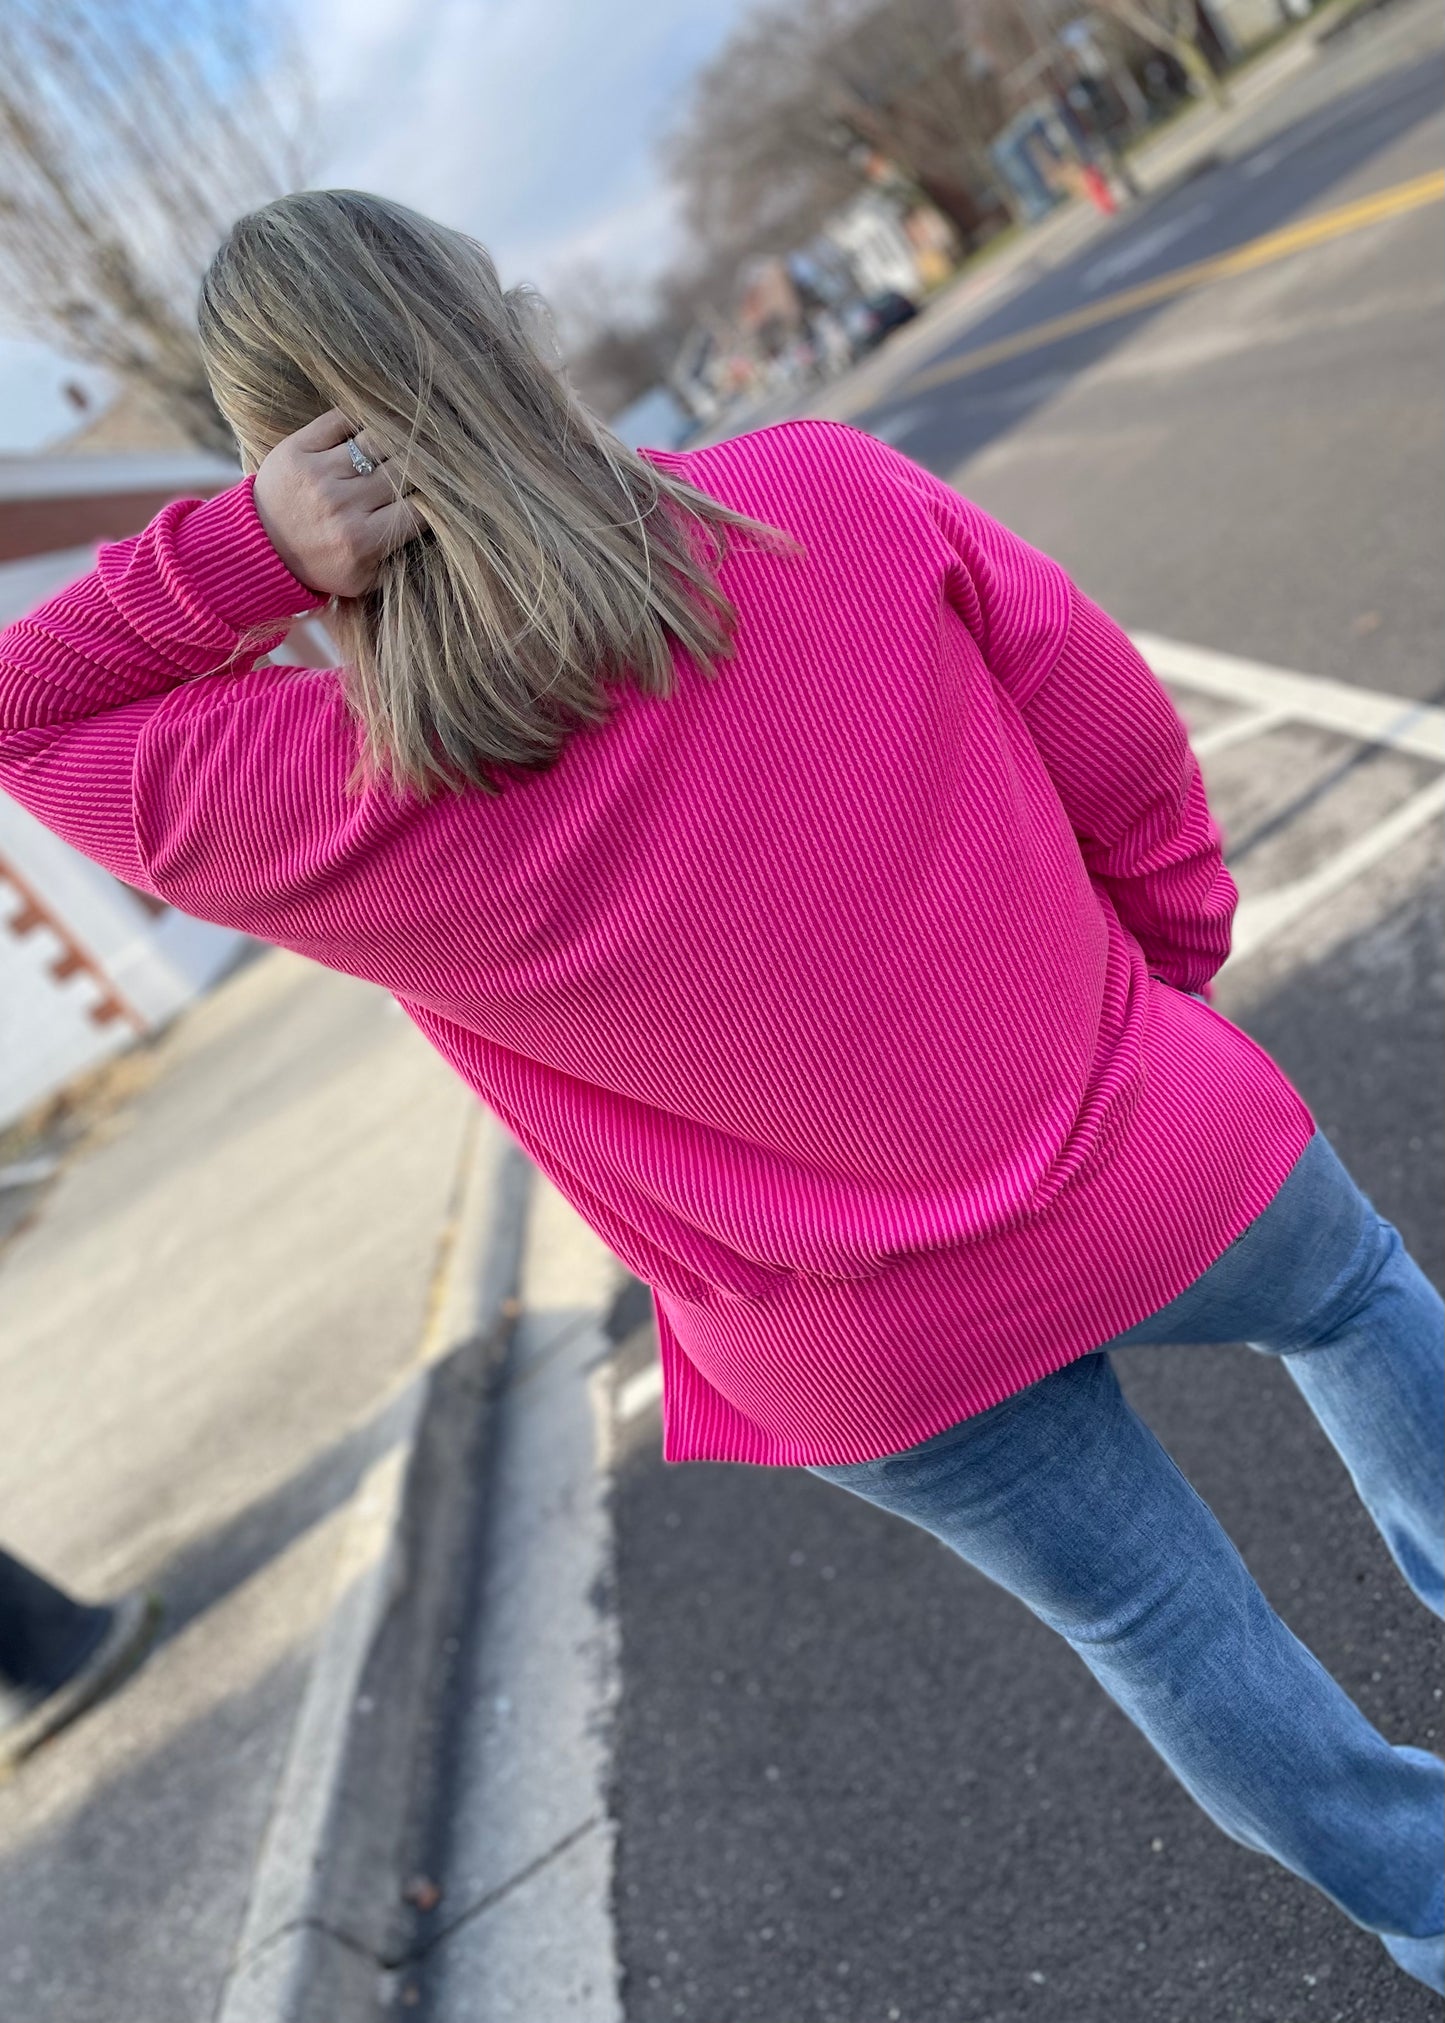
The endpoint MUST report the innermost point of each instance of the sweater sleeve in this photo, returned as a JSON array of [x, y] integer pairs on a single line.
[[200, 591], [101, 688], [1113, 743], [1120, 759]]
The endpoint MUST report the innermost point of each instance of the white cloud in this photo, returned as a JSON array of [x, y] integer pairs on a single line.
[[633, 240], [529, 123]]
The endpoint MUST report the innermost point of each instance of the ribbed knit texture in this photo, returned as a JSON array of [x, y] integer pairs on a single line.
[[841, 992]]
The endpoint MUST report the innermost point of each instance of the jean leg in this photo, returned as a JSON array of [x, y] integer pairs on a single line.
[[1373, 1374], [1321, 1281], [1063, 1496]]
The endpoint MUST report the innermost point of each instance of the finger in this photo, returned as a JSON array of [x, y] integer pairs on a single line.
[[337, 462], [325, 432], [370, 493], [394, 525]]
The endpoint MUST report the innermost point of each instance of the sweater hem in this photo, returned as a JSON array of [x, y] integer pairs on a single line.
[[838, 1373]]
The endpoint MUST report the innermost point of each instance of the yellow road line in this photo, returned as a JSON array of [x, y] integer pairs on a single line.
[[1408, 196]]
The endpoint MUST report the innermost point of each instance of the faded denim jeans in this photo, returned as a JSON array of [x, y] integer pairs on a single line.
[[1062, 1495]]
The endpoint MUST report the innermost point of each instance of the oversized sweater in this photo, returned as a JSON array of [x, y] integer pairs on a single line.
[[843, 991]]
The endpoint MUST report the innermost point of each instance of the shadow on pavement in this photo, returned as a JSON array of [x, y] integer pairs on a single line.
[[208, 1568], [124, 1898]]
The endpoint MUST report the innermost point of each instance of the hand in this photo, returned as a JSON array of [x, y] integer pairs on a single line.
[[330, 526]]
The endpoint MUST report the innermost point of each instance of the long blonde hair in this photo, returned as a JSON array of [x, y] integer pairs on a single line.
[[557, 563]]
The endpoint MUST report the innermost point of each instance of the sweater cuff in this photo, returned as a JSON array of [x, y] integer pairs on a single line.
[[232, 569]]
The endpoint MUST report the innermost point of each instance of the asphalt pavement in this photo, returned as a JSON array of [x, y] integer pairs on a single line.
[[1255, 465], [850, 1780]]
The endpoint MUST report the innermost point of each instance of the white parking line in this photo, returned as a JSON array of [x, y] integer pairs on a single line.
[[894, 426], [1144, 247], [1261, 164], [639, 1392], [1238, 730], [1414, 727], [1304, 136], [1283, 696], [1260, 919]]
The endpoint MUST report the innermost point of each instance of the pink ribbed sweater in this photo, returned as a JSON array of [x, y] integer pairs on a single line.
[[842, 993]]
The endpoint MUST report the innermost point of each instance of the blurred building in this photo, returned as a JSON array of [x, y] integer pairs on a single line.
[[132, 420], [713, 368], [785, 317], [1241, 25], [770, 311], [872, 233], [1032, 153], [87, 965]]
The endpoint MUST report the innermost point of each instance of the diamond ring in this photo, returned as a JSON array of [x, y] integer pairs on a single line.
[[360, 462]]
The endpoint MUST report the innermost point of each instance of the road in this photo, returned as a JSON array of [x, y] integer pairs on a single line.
[[851, 1782]]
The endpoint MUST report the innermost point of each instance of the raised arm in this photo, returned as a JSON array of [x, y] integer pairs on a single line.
[[1113, 743], [136, 722], [201, 591]]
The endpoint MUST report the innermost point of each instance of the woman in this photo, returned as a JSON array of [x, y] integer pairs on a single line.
[[822, 890]]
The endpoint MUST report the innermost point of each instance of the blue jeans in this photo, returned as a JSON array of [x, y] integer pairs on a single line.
[[1062, 1495]]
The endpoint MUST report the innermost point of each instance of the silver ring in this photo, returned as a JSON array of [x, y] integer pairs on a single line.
[[360, 462]]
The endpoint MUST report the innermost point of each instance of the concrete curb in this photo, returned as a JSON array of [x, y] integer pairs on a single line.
[[326, 1915]]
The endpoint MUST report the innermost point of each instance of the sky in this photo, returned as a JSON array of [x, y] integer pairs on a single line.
[[530, 123]]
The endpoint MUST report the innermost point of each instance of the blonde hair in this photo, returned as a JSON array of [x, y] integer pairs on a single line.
[[557, 562]]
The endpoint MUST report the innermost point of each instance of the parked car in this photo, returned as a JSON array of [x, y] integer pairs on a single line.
[[868, 323]]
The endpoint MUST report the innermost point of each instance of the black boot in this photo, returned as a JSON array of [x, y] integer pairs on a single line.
[[58, 1655]]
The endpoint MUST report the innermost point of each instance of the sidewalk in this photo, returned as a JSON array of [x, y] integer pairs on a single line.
[[208, 1328]]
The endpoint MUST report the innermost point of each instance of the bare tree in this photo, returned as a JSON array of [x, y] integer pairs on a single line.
[[911, 79], [1173, 26], [804, 98], [759, 155], [131, 134], [612, 337]]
